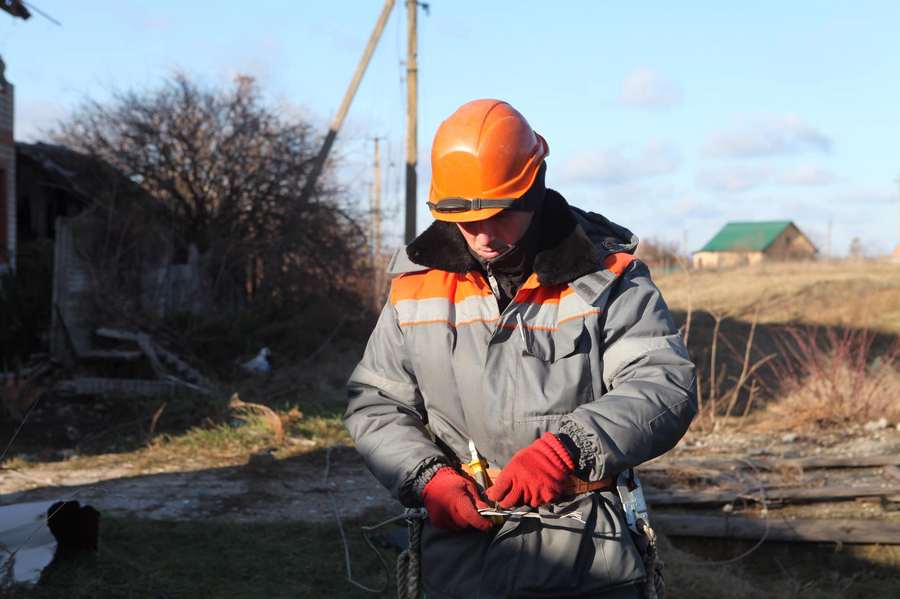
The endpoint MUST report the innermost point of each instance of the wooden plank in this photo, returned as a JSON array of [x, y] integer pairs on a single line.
[[117, 334], [126, 387], [809, 530], [892, 472], [187, 372], [146, 345], [863, 461], [809, 463], [118, 355], [796, 495]]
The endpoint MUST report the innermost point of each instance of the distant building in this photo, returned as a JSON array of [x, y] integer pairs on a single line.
[[7, 176], [740, 244]]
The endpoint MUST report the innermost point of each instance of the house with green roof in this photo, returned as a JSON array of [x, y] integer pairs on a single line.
[[745, 243]]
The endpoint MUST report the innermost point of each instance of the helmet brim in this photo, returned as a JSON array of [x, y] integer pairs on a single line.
[[469, 216]]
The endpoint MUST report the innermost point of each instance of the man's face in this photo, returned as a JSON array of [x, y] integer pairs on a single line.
[[490, 238]]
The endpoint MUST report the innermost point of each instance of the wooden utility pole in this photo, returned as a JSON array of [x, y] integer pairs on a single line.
[[829, 250], [338, 120], [412, 99], [376, 208], [897, 248], [377, 262]]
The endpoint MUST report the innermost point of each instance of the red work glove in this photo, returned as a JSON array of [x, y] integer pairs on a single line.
[[534, 476], [450, 500]]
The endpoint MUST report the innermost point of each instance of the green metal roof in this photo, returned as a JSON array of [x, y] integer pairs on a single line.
[[746, 237]]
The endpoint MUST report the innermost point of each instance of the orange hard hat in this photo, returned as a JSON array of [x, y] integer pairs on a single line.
[[485, 156]]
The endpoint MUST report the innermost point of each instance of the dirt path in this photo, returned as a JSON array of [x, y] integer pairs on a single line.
[[263, 490]]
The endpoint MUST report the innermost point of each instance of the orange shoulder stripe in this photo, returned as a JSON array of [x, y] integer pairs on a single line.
[[437, 283], [618, 262]]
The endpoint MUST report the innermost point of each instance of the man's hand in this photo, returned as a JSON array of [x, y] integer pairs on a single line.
[[534, 476], [450, 499]]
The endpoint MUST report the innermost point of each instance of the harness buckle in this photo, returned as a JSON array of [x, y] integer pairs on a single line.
[[632, 495]]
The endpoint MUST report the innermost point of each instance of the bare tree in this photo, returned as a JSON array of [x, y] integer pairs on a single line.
[[659, 254], [229, 172]]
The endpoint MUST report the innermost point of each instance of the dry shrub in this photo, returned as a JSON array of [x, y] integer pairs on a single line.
[[835, 377]]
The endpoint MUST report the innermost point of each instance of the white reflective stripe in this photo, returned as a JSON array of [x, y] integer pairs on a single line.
[[542, 316], [441, 309], [548, 315], [630, 349], [571, 306]]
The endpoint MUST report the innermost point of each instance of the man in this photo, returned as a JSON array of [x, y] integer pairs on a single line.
[[526, 326]]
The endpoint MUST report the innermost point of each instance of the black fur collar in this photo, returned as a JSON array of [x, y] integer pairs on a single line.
[[564, 250]]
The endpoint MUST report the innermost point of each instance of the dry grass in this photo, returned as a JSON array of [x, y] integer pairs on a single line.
[[857, 294], [846, 371], [833, 378]]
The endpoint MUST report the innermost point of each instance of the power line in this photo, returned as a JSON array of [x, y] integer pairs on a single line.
[[42, 13]]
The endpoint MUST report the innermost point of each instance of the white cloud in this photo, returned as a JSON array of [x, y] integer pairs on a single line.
[[646, 88], [732, 180], [614, 166], [806, 176], [772, 136]]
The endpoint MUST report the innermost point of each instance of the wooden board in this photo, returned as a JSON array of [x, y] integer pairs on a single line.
[[791, 531], [795, 495], [809, 463], [124, 387], [892, 472]]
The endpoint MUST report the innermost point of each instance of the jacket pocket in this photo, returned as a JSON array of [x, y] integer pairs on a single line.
[[553, 373]]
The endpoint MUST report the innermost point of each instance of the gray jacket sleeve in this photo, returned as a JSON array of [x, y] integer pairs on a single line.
[[386, 415], [649, 398]]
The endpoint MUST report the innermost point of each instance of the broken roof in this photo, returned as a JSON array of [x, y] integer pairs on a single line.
[[89, 177]]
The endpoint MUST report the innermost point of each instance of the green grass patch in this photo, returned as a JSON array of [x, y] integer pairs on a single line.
[[144, 558], [237, 436]]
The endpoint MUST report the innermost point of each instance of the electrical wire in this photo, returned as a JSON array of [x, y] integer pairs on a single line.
[[765, 512], [42, 13], [343, 535], [21, 425]]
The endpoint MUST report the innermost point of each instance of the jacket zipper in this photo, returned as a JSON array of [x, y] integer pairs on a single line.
[[495, 288]]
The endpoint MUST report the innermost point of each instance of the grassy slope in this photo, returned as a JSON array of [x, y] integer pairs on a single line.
[[857, 294]]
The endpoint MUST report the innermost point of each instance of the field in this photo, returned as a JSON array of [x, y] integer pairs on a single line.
[[862, 294], [174, 479]]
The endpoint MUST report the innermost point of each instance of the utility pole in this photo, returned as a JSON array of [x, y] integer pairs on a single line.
[[338, 120], [377, 262], [897, 249], [829, 249], [412, 108], [376, 208]]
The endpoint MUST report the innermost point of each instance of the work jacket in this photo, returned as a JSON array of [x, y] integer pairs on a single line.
[[587, 347]]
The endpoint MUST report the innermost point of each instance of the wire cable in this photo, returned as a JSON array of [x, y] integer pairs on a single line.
[[765, 512]]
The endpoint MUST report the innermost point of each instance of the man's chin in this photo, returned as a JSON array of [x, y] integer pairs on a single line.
[[488, 254]]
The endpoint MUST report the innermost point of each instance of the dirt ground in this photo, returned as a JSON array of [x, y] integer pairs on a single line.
[[291, 484], [264, 488]]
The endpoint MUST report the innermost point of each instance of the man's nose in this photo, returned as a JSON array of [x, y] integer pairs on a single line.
[[485, 231]]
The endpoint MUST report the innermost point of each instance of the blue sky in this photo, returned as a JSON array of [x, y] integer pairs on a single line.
[[669, 118]]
